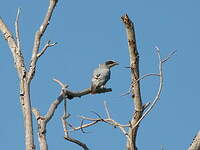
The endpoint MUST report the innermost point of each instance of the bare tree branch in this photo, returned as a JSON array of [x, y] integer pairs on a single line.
[[135, 88], [112, 122], [86, 125], [157, 97], [38, 36], [195, 143], [16, 52], [169, 56], [48, 44], [63, 119], [60, 83], [24, 85], [67, 137], [17, 29], [136, 95], [107, 111], [141, 78], [108, 120], [43, 120], [84, 146], [70, 95]]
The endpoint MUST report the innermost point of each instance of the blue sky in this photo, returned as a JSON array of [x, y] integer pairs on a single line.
[[88, 33]]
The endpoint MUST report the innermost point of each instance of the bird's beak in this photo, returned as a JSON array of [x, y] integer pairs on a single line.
[[114, 64]]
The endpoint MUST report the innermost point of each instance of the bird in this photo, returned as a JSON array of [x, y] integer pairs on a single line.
[[101, 75]]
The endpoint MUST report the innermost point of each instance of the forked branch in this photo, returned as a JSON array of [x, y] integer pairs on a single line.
[[135, 81], [107, 120], [14, 46], [157, 97], [38, 36], [48, 44], [66, 133], [64, 94]]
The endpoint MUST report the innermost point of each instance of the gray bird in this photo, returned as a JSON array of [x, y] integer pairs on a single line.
[[101, 75]]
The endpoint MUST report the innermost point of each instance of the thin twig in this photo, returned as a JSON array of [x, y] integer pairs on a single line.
[[64, 124], [157, 97], [107, 111], [82, 123], [17, 28], [63, 119], [84, 146], [48, 44], [108, 121], [146, 105], [85, 125], [61, 84], [147, 75], [169, 56], [141, 78]]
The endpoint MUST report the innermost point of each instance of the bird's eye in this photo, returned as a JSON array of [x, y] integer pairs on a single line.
[[109, 62]]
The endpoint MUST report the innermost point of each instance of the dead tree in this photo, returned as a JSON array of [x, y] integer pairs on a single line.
[[140, 110], [26, 74]]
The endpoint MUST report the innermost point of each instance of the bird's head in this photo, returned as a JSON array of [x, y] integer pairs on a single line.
[[111, 63]]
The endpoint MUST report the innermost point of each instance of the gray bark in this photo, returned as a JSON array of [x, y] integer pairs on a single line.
[[136, 95], [24, 85]]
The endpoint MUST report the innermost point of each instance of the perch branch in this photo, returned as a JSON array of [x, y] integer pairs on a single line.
[[70, 95], [43, 120]]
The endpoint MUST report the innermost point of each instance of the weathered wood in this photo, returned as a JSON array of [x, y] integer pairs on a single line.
[[136, 95]]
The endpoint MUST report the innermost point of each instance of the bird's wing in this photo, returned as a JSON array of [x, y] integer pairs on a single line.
[[100, 77]]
